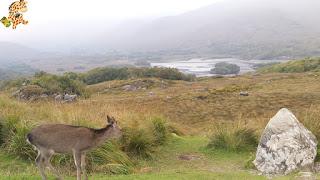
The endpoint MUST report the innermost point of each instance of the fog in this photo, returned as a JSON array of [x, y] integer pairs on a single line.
[[233, 27], [62, 24]]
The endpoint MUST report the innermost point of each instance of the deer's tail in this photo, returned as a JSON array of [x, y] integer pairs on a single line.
[[29, 138]]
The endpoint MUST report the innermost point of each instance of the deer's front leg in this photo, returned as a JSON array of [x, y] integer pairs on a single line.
[[77, 161]]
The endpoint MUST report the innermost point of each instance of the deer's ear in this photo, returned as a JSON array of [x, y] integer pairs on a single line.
[[110, 121]]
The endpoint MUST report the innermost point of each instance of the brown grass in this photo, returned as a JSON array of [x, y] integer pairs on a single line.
[[194, 107]]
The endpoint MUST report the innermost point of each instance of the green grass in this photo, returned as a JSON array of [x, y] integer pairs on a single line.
[[217, 164], [160, 176]]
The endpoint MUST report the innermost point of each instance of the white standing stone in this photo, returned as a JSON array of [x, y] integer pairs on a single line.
[[285, 145]]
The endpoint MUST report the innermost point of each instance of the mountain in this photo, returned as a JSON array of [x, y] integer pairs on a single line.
[[260, 29], [12, 60], [15, 70], [13, 52]]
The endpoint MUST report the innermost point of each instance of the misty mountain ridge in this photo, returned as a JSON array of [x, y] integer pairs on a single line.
[[254, 29], [248, 29]]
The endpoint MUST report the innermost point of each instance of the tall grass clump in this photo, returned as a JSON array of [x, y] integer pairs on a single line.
[[311, 120], [160, 130], [109, 159], [234, 139], [137, 143], [142, 142], [13, 136]]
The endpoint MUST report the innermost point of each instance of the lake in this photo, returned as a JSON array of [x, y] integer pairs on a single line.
[[202, 67]]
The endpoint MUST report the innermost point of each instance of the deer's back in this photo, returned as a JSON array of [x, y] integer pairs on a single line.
[[61, 138]]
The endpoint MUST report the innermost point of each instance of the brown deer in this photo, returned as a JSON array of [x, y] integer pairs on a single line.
[[58, 138]]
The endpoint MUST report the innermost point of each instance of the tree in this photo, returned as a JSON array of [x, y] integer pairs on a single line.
[[224, 68]]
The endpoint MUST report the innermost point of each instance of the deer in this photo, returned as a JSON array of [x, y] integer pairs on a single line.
[[50, 139]]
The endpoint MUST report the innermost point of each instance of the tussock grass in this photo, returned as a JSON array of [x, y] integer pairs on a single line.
[[109, 159], [160, 130], [142, 142], [13, 132], [138, 143], [234, 138], [311, 120]]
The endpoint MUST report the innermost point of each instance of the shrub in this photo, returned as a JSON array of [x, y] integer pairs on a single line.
[[13, 83], [264, 65], [238, 139], [306, 65], [224, 68], [32, 90], [107, 74], [67, 83]]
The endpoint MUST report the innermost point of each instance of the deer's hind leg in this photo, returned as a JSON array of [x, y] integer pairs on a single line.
[[40, 164], [48, 155], [83, 165]]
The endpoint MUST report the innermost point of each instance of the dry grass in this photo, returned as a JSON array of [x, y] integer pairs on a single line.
[[193, 107]]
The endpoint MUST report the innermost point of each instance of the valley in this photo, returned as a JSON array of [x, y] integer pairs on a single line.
[[194, 112]]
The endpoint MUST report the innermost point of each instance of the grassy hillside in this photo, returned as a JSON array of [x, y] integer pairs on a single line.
[[194, 114], [298, 66]]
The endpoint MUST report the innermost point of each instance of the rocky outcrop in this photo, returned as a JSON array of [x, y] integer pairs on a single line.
[[30, 93], [286, 145], [70, 98], [35, 93]]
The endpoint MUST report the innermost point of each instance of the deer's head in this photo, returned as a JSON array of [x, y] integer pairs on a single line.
[[114, 131]]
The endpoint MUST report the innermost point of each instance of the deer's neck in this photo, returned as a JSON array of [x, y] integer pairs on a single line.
[[101, 135]]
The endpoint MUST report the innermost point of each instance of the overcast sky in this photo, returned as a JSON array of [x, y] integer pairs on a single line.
[[49, 18], [45, 10]]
